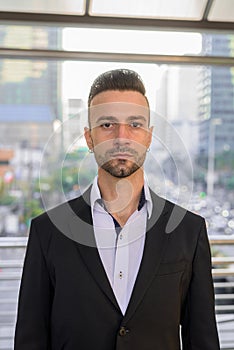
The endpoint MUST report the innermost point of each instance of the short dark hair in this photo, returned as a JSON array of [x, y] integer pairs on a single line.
[[118, 79]]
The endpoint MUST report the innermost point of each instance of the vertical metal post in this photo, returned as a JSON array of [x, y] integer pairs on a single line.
[[211, 156]]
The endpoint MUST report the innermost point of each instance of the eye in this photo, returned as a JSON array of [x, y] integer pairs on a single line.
[[135, 125], [107, 125]]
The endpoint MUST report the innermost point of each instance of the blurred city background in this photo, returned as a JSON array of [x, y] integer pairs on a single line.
[[47, 65], [41, 101]]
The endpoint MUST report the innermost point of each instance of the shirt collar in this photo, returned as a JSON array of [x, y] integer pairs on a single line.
[[95, 196]]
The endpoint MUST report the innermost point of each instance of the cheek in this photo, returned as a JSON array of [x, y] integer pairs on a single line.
[[101, 145], [144, 139], [105, 137]]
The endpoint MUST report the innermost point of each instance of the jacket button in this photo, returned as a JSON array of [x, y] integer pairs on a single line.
[[123, 331]]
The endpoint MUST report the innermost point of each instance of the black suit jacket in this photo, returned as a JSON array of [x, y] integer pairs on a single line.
[[67, 303]]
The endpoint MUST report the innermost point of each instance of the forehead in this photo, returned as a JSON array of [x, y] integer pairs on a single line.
[[128, 96], [119, 104]]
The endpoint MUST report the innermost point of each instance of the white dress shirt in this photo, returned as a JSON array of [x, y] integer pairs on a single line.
[[120, 250]]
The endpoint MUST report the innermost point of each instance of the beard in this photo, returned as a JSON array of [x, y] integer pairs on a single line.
[[120, 167]]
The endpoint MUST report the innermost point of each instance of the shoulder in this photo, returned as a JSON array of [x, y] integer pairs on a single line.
[[54, 226], [177, 216], [185, 229], [64, 211], [59, 212], [57, 220]]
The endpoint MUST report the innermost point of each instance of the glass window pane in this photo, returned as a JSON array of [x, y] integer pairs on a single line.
[[131, 41], [42, 113], [29, 104], [28, 37], [148, 42], [218, 45], [37, 96], [222, 10], [116, 40], [170, 9], [44, 6]]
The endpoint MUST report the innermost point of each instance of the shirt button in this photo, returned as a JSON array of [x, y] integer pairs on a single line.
[[123, 331], [120, 274]]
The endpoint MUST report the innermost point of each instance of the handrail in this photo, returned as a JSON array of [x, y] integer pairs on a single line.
[[13, 242], [223, 270], [7, 276], [220, 260], [11, 263], [224, 284], [221, 239], [225, 296], [227, 260]]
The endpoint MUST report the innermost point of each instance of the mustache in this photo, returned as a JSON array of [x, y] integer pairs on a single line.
[[122, 149]]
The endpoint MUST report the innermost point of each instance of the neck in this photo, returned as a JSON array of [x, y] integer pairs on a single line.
[[121, 195]]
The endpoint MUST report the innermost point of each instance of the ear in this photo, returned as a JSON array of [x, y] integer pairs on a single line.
[[88, 138], [149, 136]]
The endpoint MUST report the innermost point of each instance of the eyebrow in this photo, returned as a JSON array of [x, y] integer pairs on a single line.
[[137, 117], [106, 118], [114, 119]]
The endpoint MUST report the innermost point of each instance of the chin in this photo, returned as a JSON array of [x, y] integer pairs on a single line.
[[120, 171]]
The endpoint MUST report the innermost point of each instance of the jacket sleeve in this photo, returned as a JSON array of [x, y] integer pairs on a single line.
[[199, 329], [33, 319]]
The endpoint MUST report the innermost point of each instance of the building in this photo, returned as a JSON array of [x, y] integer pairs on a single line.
[[217, 97], [29, 89], [73, 125], [178, 105]]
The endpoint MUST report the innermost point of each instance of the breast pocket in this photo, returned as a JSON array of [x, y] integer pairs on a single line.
[[172, 267]]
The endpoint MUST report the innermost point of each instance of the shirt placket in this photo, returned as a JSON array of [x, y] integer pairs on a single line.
[[120, 280]]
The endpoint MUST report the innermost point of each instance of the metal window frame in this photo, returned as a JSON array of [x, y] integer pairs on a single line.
[[88, 20], [60, 55], [110, 22]]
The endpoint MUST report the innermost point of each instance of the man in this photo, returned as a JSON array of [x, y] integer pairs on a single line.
[[101, 271]]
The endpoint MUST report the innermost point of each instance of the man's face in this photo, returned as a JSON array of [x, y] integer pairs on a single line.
[[119, 131]]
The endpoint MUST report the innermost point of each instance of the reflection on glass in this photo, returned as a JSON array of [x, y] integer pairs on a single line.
[[29, 102], [28, 37], [172, 9], [218, 45], [131, 41], [44, 6], [222, 10], [116, 40]]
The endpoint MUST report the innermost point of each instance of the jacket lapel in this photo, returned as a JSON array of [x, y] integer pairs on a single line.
[[82, 233], [155, 247]]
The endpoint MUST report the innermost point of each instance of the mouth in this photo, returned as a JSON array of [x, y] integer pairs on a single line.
[[122, 155]]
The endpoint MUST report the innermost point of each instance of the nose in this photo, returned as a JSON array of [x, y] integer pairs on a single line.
[[122, 135], [122, 131]]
